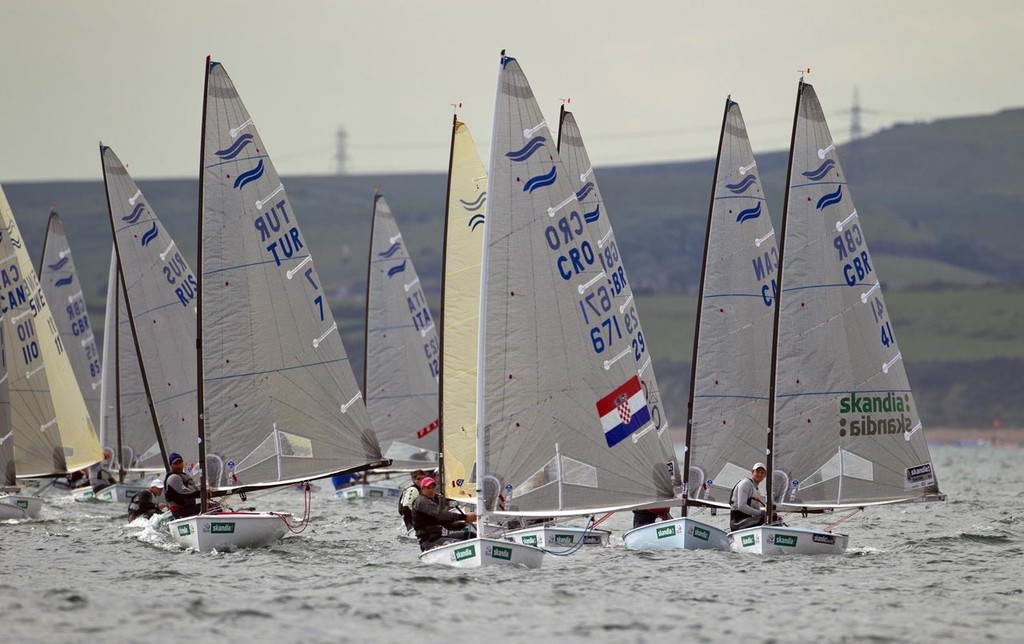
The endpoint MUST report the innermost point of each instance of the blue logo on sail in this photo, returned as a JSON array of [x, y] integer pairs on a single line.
[[749, 213], [741, 187], [246, 178], [587, 188], [819, 174], [527, 150], [64, 281], [391, 251], [149, 235], [236, 147], [135, 214], [830, 199], [395, 270], [541, 181], [592, 216], [59, 265]]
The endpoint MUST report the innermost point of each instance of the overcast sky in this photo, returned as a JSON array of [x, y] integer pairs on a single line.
[[647, 79]]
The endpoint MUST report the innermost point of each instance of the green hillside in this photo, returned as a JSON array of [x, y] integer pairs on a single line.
[[941, 203]]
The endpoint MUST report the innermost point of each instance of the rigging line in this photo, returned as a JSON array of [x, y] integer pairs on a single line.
[[576, 546]]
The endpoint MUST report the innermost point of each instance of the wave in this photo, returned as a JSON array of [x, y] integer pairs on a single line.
[[395, 270], [742, 186], [749, 213], [64, 281], [391, 251], [587, 188], [830, 199], [592, 216], [59, 265], [135, 214], [150, 235], [476, 203], [236, 147], [475, 221], [246, 178], [821, 171]]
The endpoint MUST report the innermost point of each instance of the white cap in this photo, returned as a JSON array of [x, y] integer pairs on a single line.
[[156, 483], [758, 466]]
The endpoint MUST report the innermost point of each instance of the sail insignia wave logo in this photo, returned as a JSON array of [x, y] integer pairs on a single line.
[[527, 150], [391, 251], [592, 216], [133, 217], [474, 221], [742, 186], [65, 281], [150, 235], [236, 148], [541, 180], [587, 188], [830, 199], [749, 213], [59, 265], [821, 171], [395, 270], [476, 204], [248, 177]]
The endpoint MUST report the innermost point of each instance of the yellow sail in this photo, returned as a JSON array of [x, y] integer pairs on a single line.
[[53, 432], [460, 303]]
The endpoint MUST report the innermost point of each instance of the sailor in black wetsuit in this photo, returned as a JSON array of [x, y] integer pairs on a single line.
[[180, 490], [746, 502], [144, 503], [429, 516]]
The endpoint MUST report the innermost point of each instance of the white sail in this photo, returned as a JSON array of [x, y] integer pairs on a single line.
[[460, 313], [126, 423], [402, 360], [565, 426], [8, 468], [53, 432], [736, 315], [159, 291], [62, 289], [279, 398], [595, 213], [846, 427]]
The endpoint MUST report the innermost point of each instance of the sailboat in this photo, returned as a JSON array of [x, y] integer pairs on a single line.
[[595, 213], [465, 215], [563, 428], [845, 431], [52, 431], [279, 402], [154, 293], [59, 281], [728, 400], [127, 429], [13, 504], [401, 362]]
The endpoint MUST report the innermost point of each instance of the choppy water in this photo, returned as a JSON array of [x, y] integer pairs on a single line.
[[952, 571]]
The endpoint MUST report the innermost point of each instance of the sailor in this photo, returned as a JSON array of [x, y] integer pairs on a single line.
[[144, 503], [100, 477], [180, 490], [746, 502], [408, 496], [429, 516], [649, 516]]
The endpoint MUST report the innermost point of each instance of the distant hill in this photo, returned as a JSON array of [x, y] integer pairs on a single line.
[[942, 205]]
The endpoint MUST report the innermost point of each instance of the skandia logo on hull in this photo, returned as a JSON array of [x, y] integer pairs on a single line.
[[882, 414]]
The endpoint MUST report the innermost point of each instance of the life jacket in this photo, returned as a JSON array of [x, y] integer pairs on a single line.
[[736, 515], [175, 500]]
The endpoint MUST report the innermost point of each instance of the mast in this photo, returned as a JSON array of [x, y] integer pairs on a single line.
[[481, 341], [131, 323], [696, 328], [440, 319], [770, 451], [366, 309], [200, 400], [117, 369]]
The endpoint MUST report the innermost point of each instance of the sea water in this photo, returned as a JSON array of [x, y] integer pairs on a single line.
[[950, 571]]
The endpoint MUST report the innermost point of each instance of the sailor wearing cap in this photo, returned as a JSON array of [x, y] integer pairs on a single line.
[[144, 503], [746, 502], [181, 491]]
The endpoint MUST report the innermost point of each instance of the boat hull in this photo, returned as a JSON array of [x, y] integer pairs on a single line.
[[784, 540], [17, 506], [685, 533], [228, 530], [117, 493], [559, 536], [477, 553], [368, 491]]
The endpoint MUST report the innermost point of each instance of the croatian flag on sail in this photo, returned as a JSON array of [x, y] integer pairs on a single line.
[[623, 411]]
